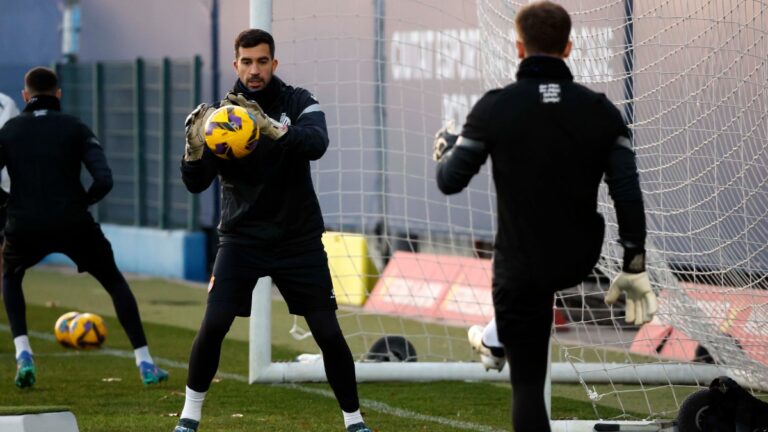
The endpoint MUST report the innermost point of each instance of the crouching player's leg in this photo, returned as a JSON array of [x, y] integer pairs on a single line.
[[92, 252], [18, 255], [15, 307]]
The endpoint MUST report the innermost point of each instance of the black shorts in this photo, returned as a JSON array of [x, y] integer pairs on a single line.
[[300, 273], [84, 244]]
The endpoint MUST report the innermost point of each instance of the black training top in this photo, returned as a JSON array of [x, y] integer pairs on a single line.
[[551, 141], [268, 196], [44, 150]]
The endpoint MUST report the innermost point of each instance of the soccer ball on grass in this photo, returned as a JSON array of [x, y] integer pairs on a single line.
[[87, 331], [61, 329]]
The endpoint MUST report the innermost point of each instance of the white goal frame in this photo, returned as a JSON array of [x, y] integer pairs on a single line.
[[263, 370]]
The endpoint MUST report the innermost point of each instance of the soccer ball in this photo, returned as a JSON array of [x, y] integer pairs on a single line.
[[231, 133], [61, 328], [87, 331]]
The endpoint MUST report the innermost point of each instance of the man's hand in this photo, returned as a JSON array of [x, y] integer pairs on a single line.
[[445, 139], [267, 126], [641, 302], [194, 131]]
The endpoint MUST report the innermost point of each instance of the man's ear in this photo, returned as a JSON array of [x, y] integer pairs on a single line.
[[25, 95], [520, 49], [567, 50]]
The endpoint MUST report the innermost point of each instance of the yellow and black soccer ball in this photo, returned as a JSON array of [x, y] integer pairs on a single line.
[[87, 330], [61, 328], [231, 133]]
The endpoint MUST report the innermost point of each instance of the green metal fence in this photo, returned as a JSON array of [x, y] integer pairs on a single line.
[[137, 110]]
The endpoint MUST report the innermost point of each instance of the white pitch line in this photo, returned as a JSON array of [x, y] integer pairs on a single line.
[[372, 405]]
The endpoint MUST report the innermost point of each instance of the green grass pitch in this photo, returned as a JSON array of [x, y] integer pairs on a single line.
[[103, 390]]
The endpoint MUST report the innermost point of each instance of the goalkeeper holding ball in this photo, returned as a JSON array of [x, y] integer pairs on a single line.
[[551, 142], [271, 224]]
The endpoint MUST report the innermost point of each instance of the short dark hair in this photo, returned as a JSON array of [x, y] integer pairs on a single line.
[[252, 37], [41, 80], [544, 27]]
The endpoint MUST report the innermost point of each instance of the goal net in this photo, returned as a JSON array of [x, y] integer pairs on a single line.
[[690, 78]]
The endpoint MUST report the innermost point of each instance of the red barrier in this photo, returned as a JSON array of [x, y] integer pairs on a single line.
[[650, 338], [437, 287], [739, 314]]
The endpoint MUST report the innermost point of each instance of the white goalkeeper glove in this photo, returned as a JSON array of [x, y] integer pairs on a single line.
[[641, 302], [267, 126], [445, 139], [194, 132]]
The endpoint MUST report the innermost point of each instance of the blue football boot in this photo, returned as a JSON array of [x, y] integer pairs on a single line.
[[151, 374], [25, 370], [186, 425], [358, 427]]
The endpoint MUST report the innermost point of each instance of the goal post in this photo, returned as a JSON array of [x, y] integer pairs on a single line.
[[692, 81], [263, 370]]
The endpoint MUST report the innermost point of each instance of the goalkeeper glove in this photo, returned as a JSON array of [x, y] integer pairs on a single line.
[[445, 139], [194, 131], [267, 126], [641, 302]]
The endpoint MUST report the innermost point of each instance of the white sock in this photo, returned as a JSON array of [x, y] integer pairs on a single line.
[[142, 355], [22, 344], [491, 335], [352, 418], [193, 405]]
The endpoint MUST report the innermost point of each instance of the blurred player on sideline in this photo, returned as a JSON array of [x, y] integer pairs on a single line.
[[551, 141], [8, 110], [44, 151], [271, 224]]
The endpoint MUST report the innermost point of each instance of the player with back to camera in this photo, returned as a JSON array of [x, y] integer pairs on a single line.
[[271, 224], [551, 142], [44, 151]]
